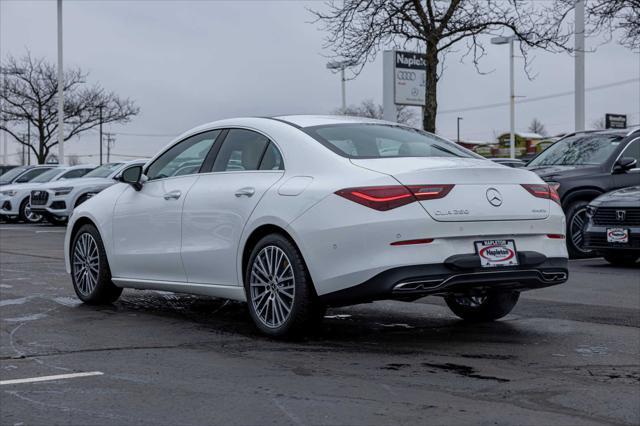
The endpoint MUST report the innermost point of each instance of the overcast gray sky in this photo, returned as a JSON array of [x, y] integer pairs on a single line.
[[187, 63]]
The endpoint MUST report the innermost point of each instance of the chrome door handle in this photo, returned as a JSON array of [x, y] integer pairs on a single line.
[[247, 192], [173, 195]]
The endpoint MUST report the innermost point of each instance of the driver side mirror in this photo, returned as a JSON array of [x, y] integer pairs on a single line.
[[133, 176], [623, 164]]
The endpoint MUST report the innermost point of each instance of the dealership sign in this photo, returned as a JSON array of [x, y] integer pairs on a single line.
[[615, 121], [410, 78]]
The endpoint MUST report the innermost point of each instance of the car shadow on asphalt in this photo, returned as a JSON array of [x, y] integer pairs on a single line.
[[379, 326]]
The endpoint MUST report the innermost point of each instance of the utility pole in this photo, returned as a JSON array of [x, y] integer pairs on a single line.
[[110, 141], [342, 65], [100, 107], [5, 154], [579, 65], [512, 93], [60, 90], [458, 139]]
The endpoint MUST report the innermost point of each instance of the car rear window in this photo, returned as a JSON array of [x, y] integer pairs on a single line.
[[363, 140]]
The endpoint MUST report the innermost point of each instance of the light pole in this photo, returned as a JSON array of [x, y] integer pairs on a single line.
[[579, 66], [60, 90], [341, 65], [512, 96], [458, 139]]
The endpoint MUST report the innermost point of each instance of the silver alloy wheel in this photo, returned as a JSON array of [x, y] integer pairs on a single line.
[[86, 263], [576, 229], [30, 215], [471, 301], [272, 286]]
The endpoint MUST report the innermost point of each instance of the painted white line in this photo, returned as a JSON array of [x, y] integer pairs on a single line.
[[59, 231], [47, 378]]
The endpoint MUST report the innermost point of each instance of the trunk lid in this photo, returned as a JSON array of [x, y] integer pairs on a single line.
[[483, 191]]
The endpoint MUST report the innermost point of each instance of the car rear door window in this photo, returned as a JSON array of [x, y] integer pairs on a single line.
[[241, 150], [272, 159]]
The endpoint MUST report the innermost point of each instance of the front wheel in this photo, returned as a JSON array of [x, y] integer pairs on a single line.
[[56, 220], [281, 298], [483, 308], [576, 221], [25, 213], [90, 271]]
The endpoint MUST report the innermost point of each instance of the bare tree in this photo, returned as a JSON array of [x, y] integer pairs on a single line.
[[599, 124], [29, 94], [610, 17], [359, 29], [536, 126], [368, 108]]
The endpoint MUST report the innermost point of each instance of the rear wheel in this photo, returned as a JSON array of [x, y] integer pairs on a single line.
[[489, 307], [281, 298], [576, 220], [621, 259], [90, 271]]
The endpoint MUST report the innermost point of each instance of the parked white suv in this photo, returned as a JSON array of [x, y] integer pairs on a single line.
[[56, 201], [14, 198]]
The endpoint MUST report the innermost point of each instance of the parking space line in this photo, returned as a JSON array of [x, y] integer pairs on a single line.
[[48, 378]]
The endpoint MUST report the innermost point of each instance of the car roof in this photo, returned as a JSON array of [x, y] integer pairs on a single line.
[[323, 120]]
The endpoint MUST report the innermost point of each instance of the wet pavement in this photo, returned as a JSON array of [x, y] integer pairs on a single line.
[[566, 355]]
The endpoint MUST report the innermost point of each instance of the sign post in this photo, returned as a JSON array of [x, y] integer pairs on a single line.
[[615, 121], [404, 81]]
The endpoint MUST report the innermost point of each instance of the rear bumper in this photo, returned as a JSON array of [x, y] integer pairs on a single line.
[[458, 274]]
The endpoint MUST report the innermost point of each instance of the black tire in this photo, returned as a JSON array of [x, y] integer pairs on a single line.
[[103, 291], [305, 311], [56, 220], [492, 307], [25, 214], [9, 219], [576, 217], [621, 259]]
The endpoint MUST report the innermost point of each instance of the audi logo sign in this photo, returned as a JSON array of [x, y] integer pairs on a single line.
[[406, 75], [410, 78]]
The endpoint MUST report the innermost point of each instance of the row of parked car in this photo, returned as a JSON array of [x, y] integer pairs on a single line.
[[596, 175], [50, 192]]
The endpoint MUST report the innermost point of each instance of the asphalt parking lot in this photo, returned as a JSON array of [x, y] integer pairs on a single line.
[[566, 355]]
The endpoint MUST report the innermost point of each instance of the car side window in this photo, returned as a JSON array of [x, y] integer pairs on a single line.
[[76, 173], [184, 158], [241, 150], [272, 159], [633, 150]]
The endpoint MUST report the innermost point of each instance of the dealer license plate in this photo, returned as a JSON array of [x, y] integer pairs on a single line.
[[497, 253], [617, 235]]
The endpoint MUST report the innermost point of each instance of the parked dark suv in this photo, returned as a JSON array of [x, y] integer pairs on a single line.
[[583, 166]]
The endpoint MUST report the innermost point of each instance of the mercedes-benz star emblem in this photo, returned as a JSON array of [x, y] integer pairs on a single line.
[[494, 197]]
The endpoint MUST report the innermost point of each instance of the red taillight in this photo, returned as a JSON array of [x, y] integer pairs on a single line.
[[542, 190], [389, 197], [555, 236]]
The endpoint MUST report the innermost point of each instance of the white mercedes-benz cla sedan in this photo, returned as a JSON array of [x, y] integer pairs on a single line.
[[296, 213]]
